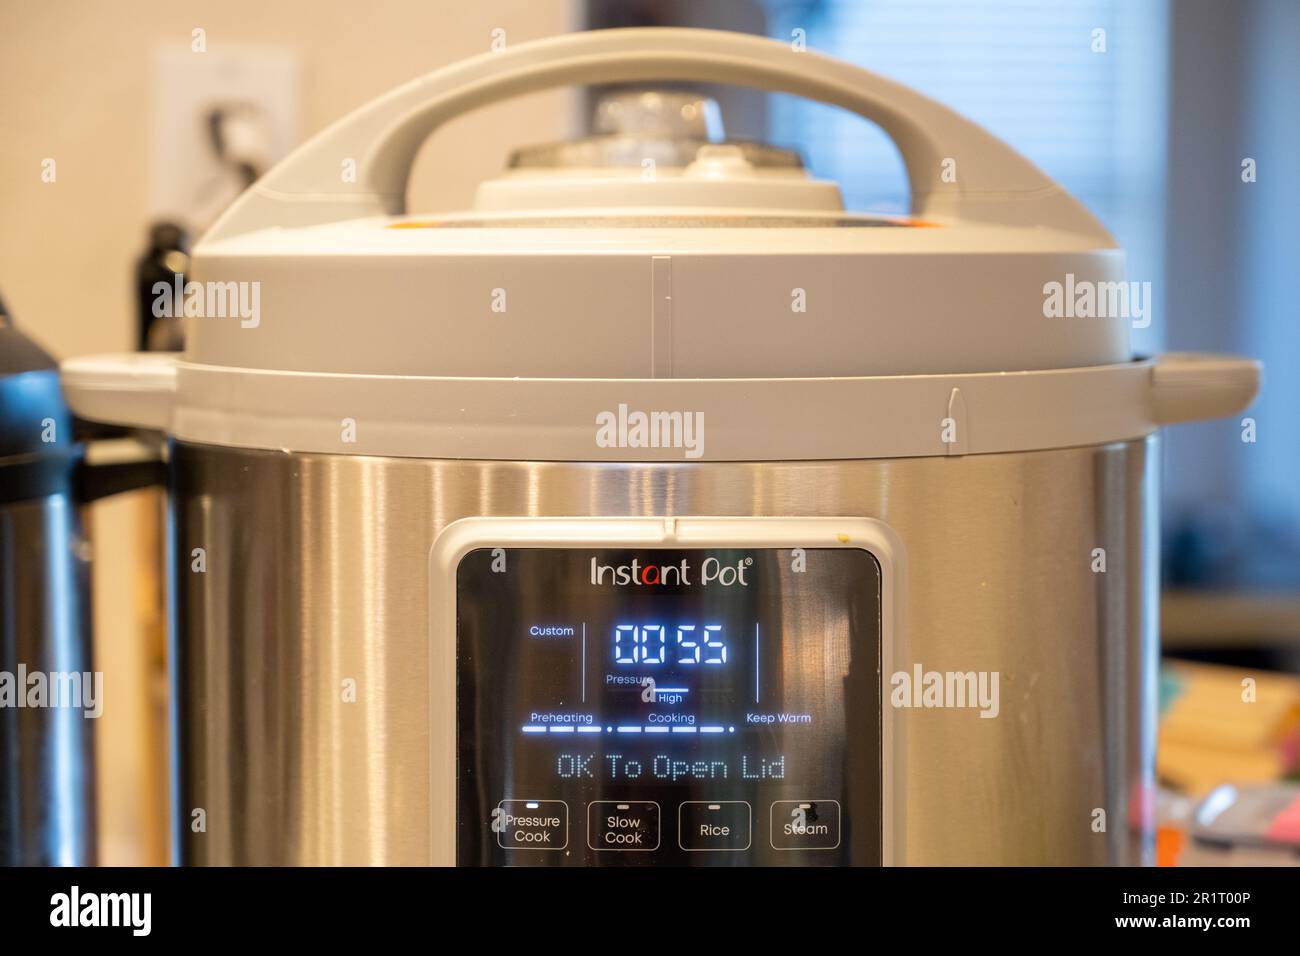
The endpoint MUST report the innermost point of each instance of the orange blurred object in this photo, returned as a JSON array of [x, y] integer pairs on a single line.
[[1169, 844]]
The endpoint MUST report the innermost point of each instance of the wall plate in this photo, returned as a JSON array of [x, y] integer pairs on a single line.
[[188, 183]]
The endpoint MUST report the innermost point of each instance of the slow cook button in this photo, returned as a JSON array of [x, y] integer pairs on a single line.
[[713, 825], [805, 824], [615, 825], [531, 824]]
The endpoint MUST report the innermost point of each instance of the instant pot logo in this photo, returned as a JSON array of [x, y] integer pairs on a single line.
[[633, 429], [1085, 299], [712, 571], [209, 300]]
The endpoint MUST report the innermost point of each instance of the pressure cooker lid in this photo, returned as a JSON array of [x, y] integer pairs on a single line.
[[653, 246], [656, 247], [652, 264]]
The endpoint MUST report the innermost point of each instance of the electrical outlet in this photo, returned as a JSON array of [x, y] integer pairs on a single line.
[[221, 117]]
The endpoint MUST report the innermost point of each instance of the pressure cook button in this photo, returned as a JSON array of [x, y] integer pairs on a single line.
[[531, 824], [805, 824], [713, 825], [615, 825]]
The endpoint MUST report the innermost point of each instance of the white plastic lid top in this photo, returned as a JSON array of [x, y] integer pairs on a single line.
[[655, 150], [655, 248]]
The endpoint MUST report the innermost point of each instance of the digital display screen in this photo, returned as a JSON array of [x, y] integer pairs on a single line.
[[655, 706]]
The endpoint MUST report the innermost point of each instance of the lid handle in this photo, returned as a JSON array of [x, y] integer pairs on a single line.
[[358, 167], [131, 388], [1194, 386]]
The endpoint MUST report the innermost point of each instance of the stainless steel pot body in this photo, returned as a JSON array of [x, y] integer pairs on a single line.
[[315, 573]]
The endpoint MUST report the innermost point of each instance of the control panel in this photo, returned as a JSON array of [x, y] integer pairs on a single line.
[[697, 706]]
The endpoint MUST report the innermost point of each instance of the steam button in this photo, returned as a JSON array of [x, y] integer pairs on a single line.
[[805, 824]]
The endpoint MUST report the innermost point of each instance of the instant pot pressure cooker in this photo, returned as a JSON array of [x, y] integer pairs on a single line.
[[656, 510]]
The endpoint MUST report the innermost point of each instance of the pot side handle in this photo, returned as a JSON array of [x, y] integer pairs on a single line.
[[131, 388], [1194, 386]]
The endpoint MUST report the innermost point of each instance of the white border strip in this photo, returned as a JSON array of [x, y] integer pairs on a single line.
[[785, 419], [744, 419]]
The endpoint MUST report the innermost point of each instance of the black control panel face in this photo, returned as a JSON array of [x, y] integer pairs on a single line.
[[652, 706]]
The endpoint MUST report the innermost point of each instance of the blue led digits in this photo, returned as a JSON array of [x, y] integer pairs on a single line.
[[688, 649], [627, 651], [653, 651], [719, 648], [648, 644]]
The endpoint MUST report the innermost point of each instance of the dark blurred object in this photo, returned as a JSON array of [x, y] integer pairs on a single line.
[[238, 141], [49, 693], [1231, 589], [1223, 548], [166, 257], [46, 753]]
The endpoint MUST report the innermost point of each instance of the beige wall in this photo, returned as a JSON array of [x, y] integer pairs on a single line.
[[75, 86]]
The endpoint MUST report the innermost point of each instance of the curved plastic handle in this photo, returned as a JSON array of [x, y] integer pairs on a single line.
[[993, 183]]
